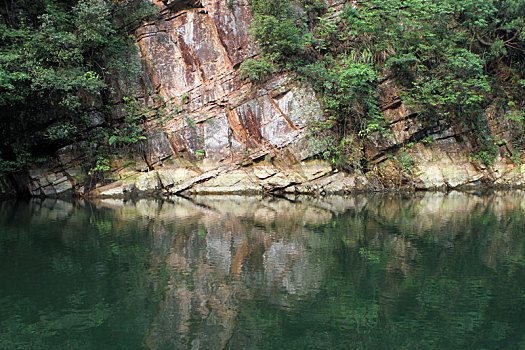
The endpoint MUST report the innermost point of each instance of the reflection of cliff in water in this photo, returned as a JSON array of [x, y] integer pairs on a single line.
[[220, 251], [229, 268], [224, 251]]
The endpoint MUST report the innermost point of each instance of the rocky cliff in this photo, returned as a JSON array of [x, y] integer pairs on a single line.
[[223, 135]]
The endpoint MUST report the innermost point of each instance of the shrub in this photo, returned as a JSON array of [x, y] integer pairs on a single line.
[[257, 70]]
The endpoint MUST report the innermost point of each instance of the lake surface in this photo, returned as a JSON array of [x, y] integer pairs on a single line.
[[431, 271]]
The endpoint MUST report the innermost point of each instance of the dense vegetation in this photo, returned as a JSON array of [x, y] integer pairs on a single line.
[[448, 59], [62, 62], [69, 72]]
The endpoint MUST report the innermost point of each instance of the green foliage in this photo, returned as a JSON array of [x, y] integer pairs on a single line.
[[200, 153], [58, 56], [185, 98], [404, 161], [61, 131], [21, 159], [190, 122], [349, 90], [485, 156], [47, 56], [127, 133], [101, 166], [131, 131], [434, 52], [449, 59], [350, 98], [342, 152], [280, 31], [257, 70], [280, 37], [160, 111]]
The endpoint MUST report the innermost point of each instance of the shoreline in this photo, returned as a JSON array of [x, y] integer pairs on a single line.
[[477, 190]]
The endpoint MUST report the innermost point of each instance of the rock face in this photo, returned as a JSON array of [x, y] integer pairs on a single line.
[[192, 57], [224, 135]]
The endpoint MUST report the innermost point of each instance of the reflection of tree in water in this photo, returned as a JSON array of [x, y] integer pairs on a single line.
[[74, 277], [421, 273], [431, 271]]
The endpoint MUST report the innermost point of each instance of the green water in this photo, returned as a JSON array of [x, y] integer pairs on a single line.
[[431, 271]]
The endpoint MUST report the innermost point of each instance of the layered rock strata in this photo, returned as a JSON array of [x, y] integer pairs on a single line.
[[224, 135]]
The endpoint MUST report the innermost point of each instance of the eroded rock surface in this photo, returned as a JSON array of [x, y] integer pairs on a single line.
[[224, 135]]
